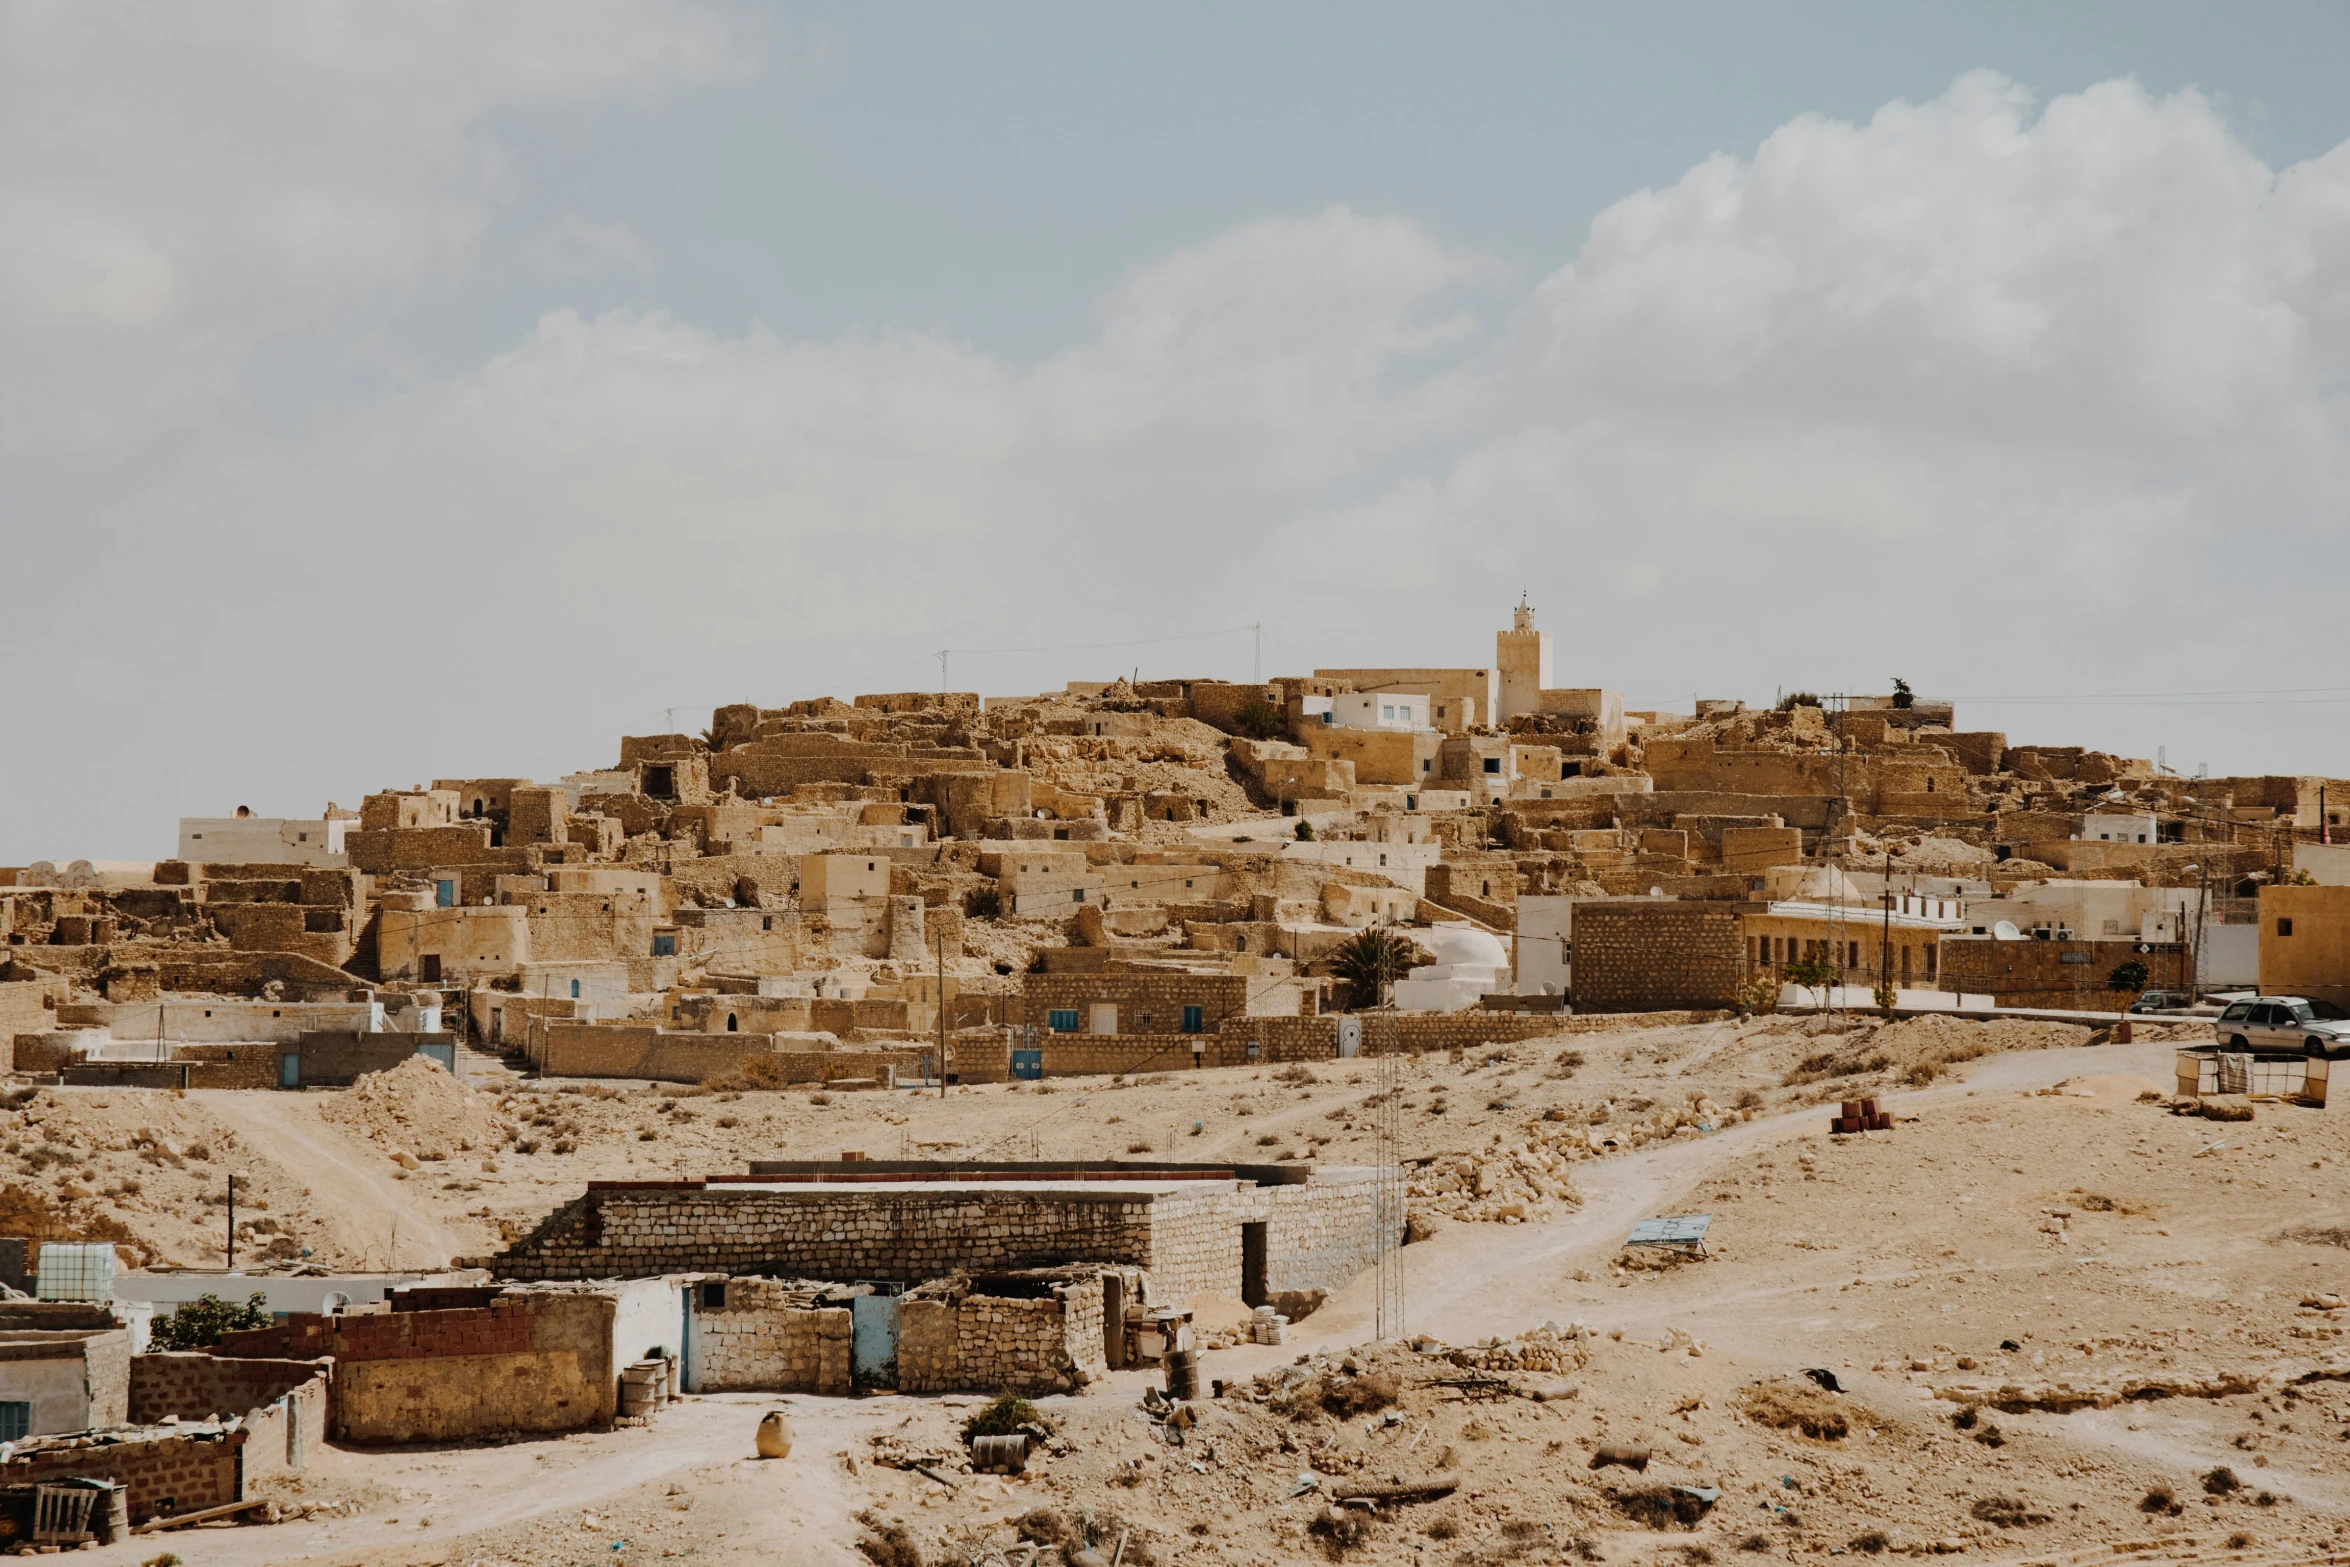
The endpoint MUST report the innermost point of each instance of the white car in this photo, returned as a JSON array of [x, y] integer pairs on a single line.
[[2285, 1023]]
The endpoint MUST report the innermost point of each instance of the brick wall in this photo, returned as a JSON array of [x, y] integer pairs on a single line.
[[337, 1058], [193, 1385], [526, 1362], [165, 1475], [196, 1386], [229, 1066], [1650, 954], [2055, 973]]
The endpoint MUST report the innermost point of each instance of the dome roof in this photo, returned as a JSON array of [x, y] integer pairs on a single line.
[[1463, 944]]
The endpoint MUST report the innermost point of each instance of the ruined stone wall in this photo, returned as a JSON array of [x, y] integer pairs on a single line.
[[991, 1344], [767, 1338]]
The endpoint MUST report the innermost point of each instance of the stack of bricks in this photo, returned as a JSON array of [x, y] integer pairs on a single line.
[[1859, 1115], [769, 1336]]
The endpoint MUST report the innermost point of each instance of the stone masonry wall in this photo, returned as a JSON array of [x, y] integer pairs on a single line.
[[1649, 954], [830, 1234], [988, 1344], [767, 1338], [1321, 1235]]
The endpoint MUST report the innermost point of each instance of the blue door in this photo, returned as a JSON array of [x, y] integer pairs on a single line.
[[289, 1071], [444, 1055], [1028, 1064], [873, 1341]]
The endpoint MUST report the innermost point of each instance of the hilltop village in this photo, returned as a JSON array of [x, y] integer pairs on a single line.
[[1414, 1114]]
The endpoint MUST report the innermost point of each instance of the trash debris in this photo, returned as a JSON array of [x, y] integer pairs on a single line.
[[1824, 1377], [1305, 1483], [1607, 1453], [1685, 1231]]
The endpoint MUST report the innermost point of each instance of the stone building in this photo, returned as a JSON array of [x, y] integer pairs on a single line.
[[819, 1277]]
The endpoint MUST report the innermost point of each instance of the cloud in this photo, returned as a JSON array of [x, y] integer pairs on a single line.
[[2001, 398], [180, 182]]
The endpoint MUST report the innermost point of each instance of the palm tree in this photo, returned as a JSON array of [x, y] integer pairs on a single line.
[[1370, 961]]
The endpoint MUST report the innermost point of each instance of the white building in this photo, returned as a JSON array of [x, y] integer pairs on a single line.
[[2117, 827], [1469, 963], [1379, 710], [263, 840]]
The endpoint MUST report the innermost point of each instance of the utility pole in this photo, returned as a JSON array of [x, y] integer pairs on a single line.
[[1256, 660], [942, 1009], [1885, 942], [942, 670], [232, 1223]]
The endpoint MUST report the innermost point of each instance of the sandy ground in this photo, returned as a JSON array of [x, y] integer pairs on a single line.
[[1900, 1263]]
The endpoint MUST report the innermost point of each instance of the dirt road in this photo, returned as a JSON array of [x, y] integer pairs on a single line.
[[351, 1181]]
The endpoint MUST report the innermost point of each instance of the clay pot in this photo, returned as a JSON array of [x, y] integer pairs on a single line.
[[774, 1435]]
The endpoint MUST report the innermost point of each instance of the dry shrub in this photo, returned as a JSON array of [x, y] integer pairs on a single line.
[[1350, 1398], [1660, 1507], [2160, 1498], [1566, 1065], [1796, 1406], [1827, 1064], [1339, 1530], [2007, 1512], [886, 1544], [1874, 1542], [1094, 1526], [1336, 1393], [1296, 1075], [2221, 1482]]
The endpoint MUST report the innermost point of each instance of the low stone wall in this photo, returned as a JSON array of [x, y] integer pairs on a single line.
[[768, 1337], [992, 1344]]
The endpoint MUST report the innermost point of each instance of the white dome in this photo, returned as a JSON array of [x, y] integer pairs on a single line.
[[1463, 944]]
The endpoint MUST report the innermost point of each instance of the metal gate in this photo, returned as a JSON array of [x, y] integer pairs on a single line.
[[1028, 1064], [873, 1341]]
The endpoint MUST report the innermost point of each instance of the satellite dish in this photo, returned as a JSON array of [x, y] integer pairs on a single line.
[[2005, 931]]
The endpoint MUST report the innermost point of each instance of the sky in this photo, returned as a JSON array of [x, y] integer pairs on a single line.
[[442, 390]]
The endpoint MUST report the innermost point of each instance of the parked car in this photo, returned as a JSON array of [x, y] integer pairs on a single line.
[[2285, 1023], [2161, 1001]]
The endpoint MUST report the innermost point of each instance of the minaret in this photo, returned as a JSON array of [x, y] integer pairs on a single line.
[[1522, 655]]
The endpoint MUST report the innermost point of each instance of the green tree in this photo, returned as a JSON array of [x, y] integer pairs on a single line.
[[2130, 977], [199, 1323], [1808, 972], [1795, 699], [1305, 831], [1902, 696], [1258, 720]]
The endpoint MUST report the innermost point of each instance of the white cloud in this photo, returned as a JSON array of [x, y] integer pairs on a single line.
[[180, 181], [1995, 399]]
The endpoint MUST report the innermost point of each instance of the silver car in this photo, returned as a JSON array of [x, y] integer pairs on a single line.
[[2285, 1024]]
